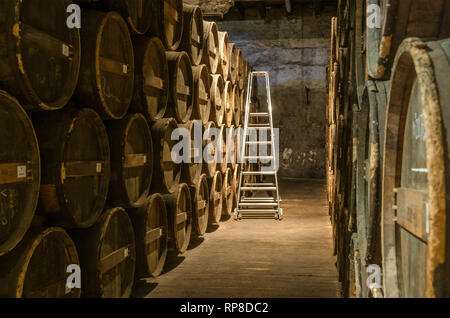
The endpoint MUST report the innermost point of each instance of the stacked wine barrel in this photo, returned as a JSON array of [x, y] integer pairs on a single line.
[[387, 147], [87, 176]]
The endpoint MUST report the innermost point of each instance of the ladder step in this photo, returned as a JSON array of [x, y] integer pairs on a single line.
[[259, 142], [260, 128], [258, 204], [262, 184], [257, 211], [258, 125], [258, 188], [259, 114], [259, 173], [259, 157]]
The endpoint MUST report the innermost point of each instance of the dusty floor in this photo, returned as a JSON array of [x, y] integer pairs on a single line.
[[259, 258]]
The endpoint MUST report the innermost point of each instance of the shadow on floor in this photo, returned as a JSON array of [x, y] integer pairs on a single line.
[[172, 262], [195, 242], [142, 288], [212, 228]]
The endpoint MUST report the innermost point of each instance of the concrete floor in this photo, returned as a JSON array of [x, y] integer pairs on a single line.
[[259, 258]]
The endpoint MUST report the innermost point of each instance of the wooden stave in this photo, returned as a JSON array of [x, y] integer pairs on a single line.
[[200, 190], [217, 100], [140, 219], [211, 41], [201, 75], [224, 58], [173, 202], [171, 43], [90, 245], [222, 149], [142, 46], [119, 194], [53, 131], [14, 75], [123, 8], [232, 72], [161, 133], [16, 264], [240, 69], [215, 196], [192, 14], [174, 60], [209, 168], [415, 54], [90, 90], [227, 193], [192, 171], [237, 106], [228, 101], [33, 170]]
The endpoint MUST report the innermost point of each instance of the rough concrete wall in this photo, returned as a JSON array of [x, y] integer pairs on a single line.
[[295, 51], [212, 7]]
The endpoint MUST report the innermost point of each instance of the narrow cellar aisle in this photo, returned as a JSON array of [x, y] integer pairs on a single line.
[[259, 258]]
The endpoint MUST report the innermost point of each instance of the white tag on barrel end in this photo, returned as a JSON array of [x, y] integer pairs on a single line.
[[99, 167], [21, 172], [125, 69], [65, 50], [126, 252]]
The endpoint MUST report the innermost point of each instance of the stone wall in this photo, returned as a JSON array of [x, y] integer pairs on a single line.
[[295, 51]]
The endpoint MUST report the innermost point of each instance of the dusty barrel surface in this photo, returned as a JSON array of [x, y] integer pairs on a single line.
[[193, 38], [211, 46], [75, 157], [139, 14], [151, 85], [131, 145], [215, 198], [107, 65], [227, 192], [181, 86], [228, 99], [37, 267], [237, 106], [202, 101], [179, 210], [150, 226], [217, 99], [192, 169], [210, 139], [166, 174], [39, 55], [107, 256], [404, 19], [171, 23], [232, 71], [224, 57], [20, 172], [200, 206], [416, 172]]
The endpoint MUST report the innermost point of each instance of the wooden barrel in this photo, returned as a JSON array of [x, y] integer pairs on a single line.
[[215, 198], [151, 85], [239, 133], [232, 72], [171, 23], [200, 205], [209, 152], [211, 46], [240, 69], [224, 57], [243, 95], [193, 38], [237, 106], [150, 226], [75, 158], [107, 66], [107, 256], [235, 183], [166, 174], [38, 266], [222, 150], [39, 55], [245, 72], [360, 53], [228, 99], [192, 170], [179, 211], [139, 14], [403, 19], [20, 172], [416, 172], [202, 101], [181, 86], [131, 161], [217, 101], [227, 193]]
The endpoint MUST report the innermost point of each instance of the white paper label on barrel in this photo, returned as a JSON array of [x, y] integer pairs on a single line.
[[125, 69], [65, 50], [21, 172], [99, 167], [126, 252]]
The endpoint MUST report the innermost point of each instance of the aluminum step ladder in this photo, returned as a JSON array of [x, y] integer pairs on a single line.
[[250, 202]]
